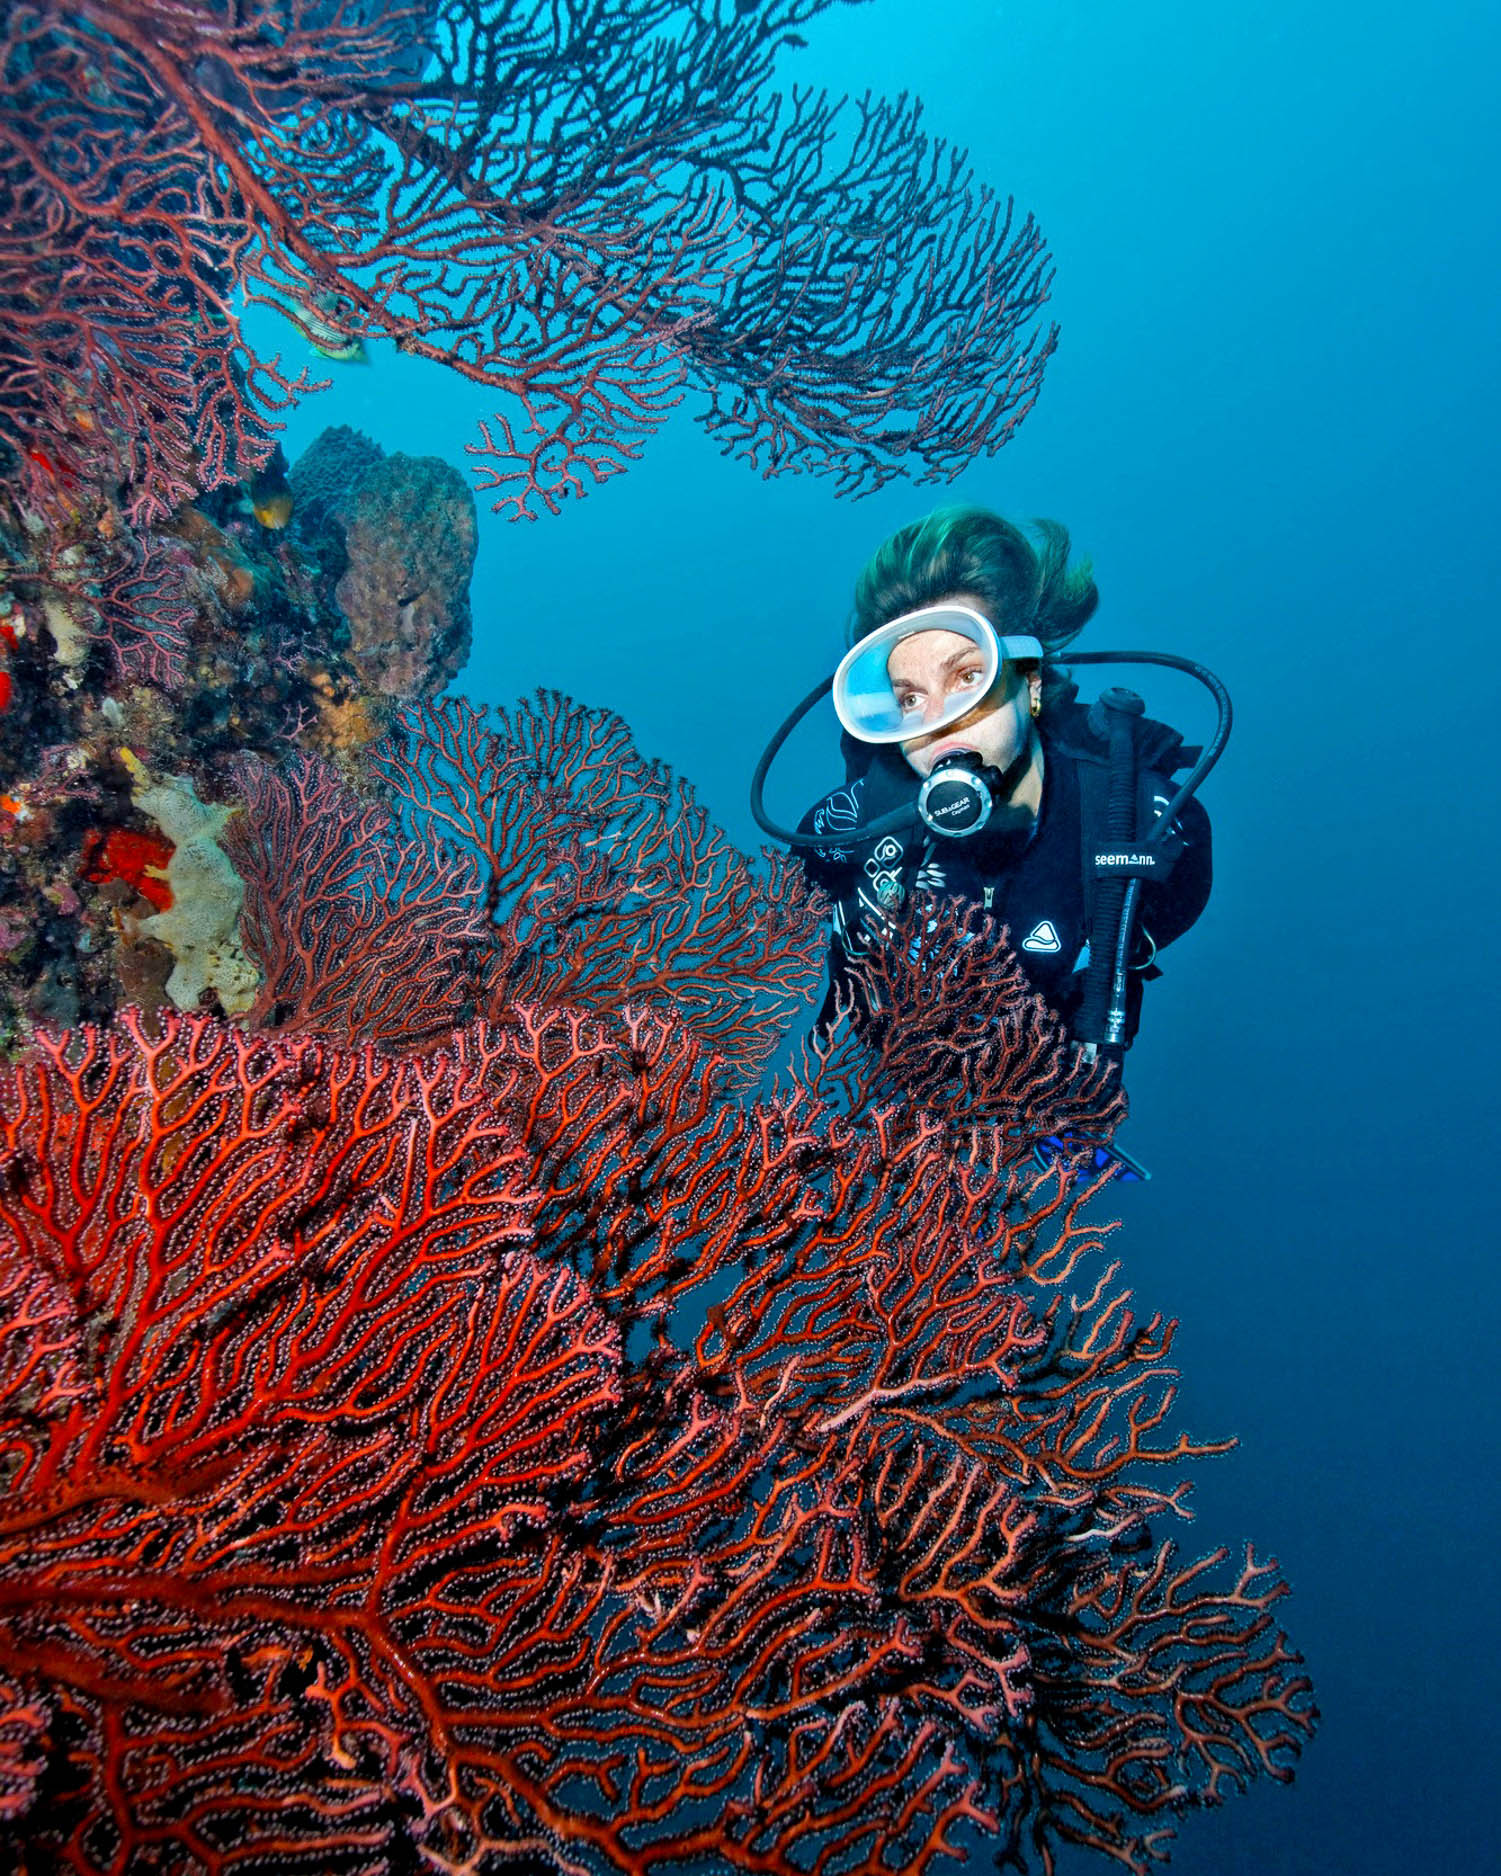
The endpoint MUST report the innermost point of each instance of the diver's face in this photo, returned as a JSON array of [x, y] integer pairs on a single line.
[[931, 668]]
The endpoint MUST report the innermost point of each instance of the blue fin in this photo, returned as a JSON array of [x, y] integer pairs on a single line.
[[1122, 1165]]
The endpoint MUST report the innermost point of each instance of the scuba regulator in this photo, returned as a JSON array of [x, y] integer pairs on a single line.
[[957, 799]]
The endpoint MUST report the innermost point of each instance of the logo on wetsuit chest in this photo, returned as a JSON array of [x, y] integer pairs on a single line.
[[882, 870], [1043, 937]]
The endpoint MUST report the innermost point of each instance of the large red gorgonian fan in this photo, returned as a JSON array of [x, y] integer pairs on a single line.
[[279, 1375], [342, 1523]]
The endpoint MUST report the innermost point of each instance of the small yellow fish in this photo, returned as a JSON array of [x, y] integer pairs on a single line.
[[270, 492], [350, 352], [331, 341], [273, 511]]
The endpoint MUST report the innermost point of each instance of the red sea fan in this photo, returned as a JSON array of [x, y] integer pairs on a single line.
[[131, 595], [975, 1044], [608, 883], [923, 1319], [343, 1523], [585, 211], [359, 933], [530, 858], [969, 1337], [280, 1379]]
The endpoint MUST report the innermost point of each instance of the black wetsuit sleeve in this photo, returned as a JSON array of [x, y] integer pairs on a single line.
[[837, 960], [839, 978], [1170, 908], [831, 872]]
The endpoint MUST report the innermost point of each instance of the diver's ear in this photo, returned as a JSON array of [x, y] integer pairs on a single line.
[[1034, 692]]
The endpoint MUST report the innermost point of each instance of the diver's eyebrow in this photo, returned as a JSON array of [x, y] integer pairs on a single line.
[[954, 657]]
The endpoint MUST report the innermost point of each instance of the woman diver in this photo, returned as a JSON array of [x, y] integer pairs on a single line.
[[973, 772]]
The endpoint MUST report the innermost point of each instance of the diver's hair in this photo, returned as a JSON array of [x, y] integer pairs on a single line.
[[1025, 589]]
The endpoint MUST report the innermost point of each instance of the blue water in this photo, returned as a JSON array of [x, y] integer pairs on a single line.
[[1272, 424]]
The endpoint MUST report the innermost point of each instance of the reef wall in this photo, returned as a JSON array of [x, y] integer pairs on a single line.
[[140, 665]]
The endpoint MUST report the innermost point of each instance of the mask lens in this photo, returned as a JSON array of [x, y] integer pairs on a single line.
[[916, 675]]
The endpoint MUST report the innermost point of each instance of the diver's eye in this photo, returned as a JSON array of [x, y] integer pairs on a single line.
[[969, 677], [907, 702]]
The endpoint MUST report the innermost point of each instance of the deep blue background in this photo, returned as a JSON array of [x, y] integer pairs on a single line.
[[1271, 423]]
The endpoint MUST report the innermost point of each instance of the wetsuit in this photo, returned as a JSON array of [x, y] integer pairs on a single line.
[[1035, 883]]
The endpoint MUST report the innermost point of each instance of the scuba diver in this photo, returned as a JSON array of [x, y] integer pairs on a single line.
[[974, 772]]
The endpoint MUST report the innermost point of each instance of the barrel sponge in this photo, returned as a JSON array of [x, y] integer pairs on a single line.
[[326, 471], [410, 535], [201, 926]]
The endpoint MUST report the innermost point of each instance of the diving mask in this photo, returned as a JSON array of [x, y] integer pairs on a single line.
[[868, 703]]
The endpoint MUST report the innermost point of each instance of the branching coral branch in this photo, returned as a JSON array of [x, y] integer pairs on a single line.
[[359, 934], [972, 1043]]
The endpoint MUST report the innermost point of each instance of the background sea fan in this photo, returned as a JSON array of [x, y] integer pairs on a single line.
[[585, 211], [528, 857]]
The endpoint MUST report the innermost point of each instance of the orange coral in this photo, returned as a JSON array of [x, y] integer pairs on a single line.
[[139, 859]]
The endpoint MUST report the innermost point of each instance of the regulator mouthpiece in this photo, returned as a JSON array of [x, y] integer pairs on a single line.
[[957, 798]]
